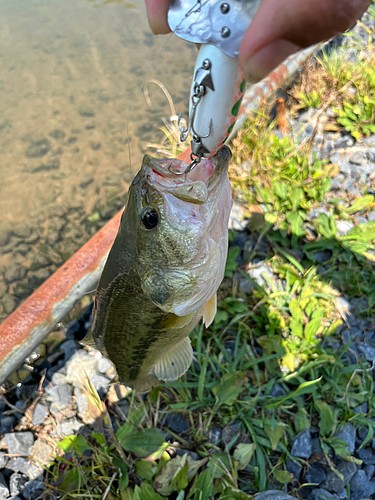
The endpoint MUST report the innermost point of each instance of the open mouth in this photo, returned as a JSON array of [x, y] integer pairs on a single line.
[[173, 170]]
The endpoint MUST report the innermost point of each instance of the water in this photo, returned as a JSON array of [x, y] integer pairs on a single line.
[[70, 109]]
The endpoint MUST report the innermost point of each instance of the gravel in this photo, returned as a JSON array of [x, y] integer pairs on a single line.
[[302, 445], [19, 443]]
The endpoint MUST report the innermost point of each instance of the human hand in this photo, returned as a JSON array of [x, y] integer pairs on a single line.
[[278, 29]]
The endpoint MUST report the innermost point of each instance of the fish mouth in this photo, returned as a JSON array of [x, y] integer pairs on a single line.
[[195, 186]]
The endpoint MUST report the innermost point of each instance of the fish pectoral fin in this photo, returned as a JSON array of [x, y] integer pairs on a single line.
[[175, 362], [172, 321], [209, 311], [89, 341]]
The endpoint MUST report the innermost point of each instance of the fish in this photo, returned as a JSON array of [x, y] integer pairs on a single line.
[[163, 270]]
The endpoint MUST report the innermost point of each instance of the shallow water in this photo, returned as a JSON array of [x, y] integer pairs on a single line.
[[71, 108]]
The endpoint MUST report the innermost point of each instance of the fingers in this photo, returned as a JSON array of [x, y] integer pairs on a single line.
[[157, 11], [282, 27]]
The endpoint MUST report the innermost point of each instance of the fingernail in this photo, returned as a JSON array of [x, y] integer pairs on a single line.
[[267, 59]]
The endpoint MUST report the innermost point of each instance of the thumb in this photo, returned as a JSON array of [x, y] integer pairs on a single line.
[[282, 27]]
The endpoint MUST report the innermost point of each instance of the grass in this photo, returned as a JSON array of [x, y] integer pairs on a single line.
[[268, 367]]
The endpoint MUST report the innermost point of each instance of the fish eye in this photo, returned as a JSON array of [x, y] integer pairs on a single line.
[[149, 217]]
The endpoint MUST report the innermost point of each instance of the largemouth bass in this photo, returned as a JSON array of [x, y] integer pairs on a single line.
[[164, 269]]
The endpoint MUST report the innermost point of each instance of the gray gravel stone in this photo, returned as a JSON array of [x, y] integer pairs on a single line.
[[322, 494], [360, 486], [359, 158], [60, 396], [337, 181], [80, 362], [277, 391], [371, 217], [260, 273], [333, 483], [104, 365], [19, 443], [69, 426], [100, 382], [367, 455], [33, 489], [294, 468], [237, 222], [301, 445], [347, 433], [345, 141], [3, 460], [315, 474], [273, 495], [7, 423], [4, 490], [69, 347], [343, 227], [40, 413], [361, 220], [315, 212], [369, 470], [17, 483], [366, 350]]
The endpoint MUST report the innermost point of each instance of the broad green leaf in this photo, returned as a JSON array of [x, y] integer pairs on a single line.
[[295, 220], [283, 476], [296, 328], [127, 494], [77, 443], [145, 469], [231, 493], [194, 466], [173, 476], [362, 232], [295, 310], [123, 431], [219, 465], [143, 443], [326, 422], [340, 447], [243, 454], [148, 493], [275, 431], [71, 480], [301, 420], [123, 470], [311, 329], [230, 387], [204, 486], [99, 438]]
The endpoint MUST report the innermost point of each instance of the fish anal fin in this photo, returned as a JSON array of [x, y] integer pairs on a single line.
[[209, 311], [175, 362], [172, 321]]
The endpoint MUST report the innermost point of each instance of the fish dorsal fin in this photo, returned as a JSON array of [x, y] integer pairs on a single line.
[[174, 322], [209, 310], [175, 362]]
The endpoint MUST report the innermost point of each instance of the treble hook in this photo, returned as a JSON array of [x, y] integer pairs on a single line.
[[194, 162], [184, 132]]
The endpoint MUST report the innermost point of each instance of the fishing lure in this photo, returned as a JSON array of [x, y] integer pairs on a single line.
[[218, 84]]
